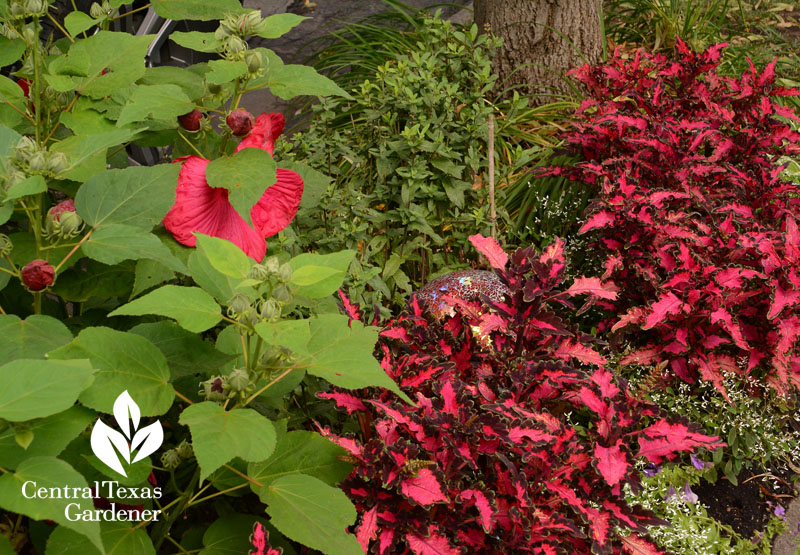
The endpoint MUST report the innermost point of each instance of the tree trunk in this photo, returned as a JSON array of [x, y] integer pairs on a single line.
[[542, 40]]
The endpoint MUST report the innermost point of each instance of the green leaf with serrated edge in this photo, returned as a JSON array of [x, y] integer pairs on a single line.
[[301, 452], [112, 244], [123, 361], [219, 435], [149, 273], [139, 196], [193, 308], [315, 183], [48, 472], [83, 151], [86, 122], [50, 436], [246, 175], [165, 102], [187, 353], [230, 535], [34, 388], [326, 346], [319, 275], [10, 50], [170, 75], [196, 40], [93, 279], [119, 538], [288, 81], [197, 10], [225, 71], [11, 91], [30, 338], [74, 65], [8, 140], [6, 210], [278, 25], [313, 513], [78, 22], [116, 60], [224, 256], [32, 185], [222, 287]]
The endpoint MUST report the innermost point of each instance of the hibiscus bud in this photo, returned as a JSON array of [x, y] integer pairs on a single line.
[[240, 122], [253, 60], [235, 45], [281, 294], [185, 450], [258, 272], [239, 379], [248, 22], [17, 10], [191, 121], [270, 310], [272, 264], [15, 178], [25, 148], [6, 246], [71, 224], [37, 162], [29, 36], [221, 33], [248, 317], [285, 272], [171, 459], [57, 162], [38, 275], [238, 304], [35, 7], [214, 389]]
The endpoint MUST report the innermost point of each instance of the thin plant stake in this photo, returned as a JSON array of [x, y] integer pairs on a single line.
[[492, 213]]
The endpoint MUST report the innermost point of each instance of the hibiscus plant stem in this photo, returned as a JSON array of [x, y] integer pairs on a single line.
[[60, 27], [266, 387], [75, 248], [37, 87], [188, 142]]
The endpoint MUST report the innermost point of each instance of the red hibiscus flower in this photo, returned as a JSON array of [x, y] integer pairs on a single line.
[[204, 209]]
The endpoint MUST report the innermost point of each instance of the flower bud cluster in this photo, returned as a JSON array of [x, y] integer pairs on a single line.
[[172, 458], [28, 8], [221, 388], [100, 11], [232, 35], [30, 159]]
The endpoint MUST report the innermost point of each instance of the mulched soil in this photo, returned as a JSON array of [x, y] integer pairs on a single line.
[[749, 506]]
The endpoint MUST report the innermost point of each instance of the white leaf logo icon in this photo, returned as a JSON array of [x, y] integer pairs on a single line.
[[107, 442]]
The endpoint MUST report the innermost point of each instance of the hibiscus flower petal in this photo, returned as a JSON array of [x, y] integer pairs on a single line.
[[277, 207], [266, 129], [201, 208]]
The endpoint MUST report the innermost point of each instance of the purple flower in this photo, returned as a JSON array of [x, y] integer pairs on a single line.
[[651, 470], [698, 464], [670, 493], [688, 494], [780, 511]]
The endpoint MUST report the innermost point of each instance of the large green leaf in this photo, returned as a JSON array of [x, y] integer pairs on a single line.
[[278, 25], [225, 71], [328, 347], [164, 102], [301, 452], [35, 388], [219, 435], [138, 196], [48, 472], [8, 140], [10, 50], [93, 279], [30, 338], [111, 244], [193, 308], [78, 22], [319, 275], [224, 256], [199, 10], [196, 40], [310, 511], [116, 60], [187, 353], [32, 185], [186, 79], [288, 81], [119, 538], [86, 154], [230, 535], [246, 175], [221, 286], [50, 436], [123, 361], [148, 274]]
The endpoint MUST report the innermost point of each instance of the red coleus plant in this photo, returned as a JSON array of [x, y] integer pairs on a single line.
[[692, 214], [201, 208], [520, 441]]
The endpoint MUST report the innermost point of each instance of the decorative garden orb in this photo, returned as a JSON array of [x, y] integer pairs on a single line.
[[467, 285]]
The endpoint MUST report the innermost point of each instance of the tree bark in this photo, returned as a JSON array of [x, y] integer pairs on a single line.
[[542, 40]]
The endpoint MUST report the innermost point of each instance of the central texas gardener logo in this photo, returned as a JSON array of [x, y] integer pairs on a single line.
[[109, 444]]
